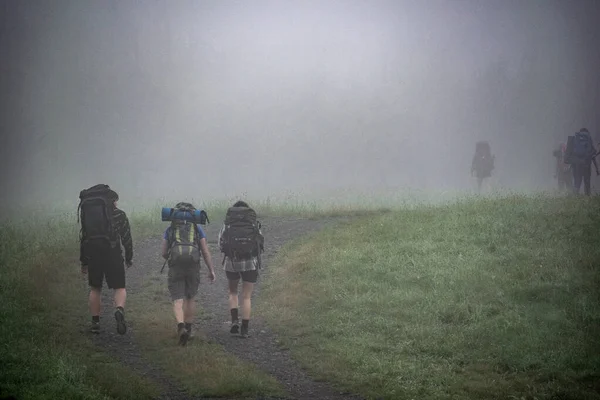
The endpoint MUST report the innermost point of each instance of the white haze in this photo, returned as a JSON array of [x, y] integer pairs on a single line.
[[208, 99]]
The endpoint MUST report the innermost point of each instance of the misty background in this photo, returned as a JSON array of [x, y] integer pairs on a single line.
[[208, 99]]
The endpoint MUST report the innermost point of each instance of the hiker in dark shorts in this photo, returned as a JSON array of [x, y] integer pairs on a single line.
[[483, 163], [106, 262], [242, 267], [581, 159], [184, 274]]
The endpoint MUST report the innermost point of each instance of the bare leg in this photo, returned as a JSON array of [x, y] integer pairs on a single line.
[[94, 301], [119, 297], [233, 293], [189, 308], [178, 310], [247, 288]]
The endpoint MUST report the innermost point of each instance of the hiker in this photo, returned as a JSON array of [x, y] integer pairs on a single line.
[[581, 154], [104, 229], [562, 172], [483, 162], [183, 243], [241, 242]]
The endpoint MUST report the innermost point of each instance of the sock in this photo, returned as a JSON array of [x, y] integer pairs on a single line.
[[245, 323], [188, 326], [95, 318], [180, 326], [122, 309], [234, 314]]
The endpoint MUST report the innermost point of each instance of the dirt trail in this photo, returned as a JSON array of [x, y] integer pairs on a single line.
[[260, 349]]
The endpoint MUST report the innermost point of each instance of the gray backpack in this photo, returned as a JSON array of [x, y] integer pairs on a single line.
[[183, 241], [241, 239]]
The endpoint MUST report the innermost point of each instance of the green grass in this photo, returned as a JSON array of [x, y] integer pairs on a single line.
[[203, 368], [477, 299], [486, 299], [43, 303], [208, 370]]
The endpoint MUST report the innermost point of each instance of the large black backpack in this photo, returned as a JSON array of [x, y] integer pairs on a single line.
[[183, 238], [95, 213], [579, 149], [241, 238]]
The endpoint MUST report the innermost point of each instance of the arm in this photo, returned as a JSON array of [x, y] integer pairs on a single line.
[[164, 249], [82, 257], [206, 254], [124, 231], [207, 258]]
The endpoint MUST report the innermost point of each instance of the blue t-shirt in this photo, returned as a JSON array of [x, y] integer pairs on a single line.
[[201, 234]]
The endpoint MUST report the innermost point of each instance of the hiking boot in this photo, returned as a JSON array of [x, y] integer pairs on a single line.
[[95, 328], [244, 333], [235, 327], [120, 317], [184, 335]]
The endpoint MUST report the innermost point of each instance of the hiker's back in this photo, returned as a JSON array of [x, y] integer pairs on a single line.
[[183, 242], [184, 234], [241, 238], [95, 213], [582, 149]]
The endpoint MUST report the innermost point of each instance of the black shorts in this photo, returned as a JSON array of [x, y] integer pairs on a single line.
[[183, 281], [247, 276], [107, 265]]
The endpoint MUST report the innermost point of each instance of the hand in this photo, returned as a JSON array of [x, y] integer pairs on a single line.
[[211, 275], [84, 269], [129, 263]]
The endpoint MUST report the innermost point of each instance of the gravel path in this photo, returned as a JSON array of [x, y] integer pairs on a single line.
[[261, 348]]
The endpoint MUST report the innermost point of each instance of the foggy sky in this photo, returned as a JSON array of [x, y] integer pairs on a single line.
[[214, 98]]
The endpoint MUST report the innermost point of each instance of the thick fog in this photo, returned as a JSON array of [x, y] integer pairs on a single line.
[[215, 98]]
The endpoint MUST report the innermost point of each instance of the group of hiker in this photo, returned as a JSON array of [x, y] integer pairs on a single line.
[[574, 159], [105, 232]]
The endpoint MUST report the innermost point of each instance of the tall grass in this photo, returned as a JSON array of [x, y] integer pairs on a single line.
[[487, 298], [42, 300]]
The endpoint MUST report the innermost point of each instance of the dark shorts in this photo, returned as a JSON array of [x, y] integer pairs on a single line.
[[246, 276], [183, 281], [107, 265]]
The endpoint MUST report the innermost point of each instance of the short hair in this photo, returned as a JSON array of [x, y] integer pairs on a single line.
[[241, 203], [584, 130]]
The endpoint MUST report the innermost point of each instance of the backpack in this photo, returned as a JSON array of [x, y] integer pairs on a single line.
[[95, 212], [183, 237], [241, 238], [579, 149]]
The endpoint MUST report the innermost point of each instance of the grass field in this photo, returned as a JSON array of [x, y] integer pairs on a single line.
[[207, 369], [43, 309], [43, 301], [485, 299]]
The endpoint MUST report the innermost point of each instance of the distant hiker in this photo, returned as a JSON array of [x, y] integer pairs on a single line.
[[183, 243], [581, 153], [104, 228], [562, 173], [241, 242], [483, 162]]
